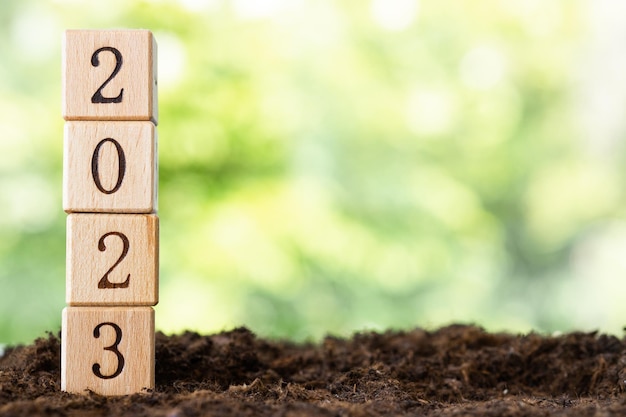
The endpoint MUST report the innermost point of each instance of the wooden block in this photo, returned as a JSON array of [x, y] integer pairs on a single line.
[[109, 75], [112, 259], [108, 350], [110, 167]]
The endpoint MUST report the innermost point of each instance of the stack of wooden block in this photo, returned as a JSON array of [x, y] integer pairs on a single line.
[[110, 195]]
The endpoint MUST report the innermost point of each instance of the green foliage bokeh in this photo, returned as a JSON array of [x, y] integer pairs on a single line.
[[332, 166]]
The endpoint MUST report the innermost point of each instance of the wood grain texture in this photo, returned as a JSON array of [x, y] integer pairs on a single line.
[[125, 176], [112, 259], [117, 341], [137, 75]]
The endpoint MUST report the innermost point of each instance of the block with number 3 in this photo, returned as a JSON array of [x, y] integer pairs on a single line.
[[109, 75], [112, 259], [108, 350], [110, 167]]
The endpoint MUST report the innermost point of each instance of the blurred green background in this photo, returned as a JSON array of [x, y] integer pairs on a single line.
[[334, 166]]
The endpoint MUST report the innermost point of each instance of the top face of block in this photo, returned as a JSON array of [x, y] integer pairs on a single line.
[[109, 75]]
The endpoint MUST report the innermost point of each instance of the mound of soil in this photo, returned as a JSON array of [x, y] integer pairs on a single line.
[[454, 371]]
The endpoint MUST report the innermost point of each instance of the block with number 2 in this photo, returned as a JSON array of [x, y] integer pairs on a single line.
[[112, 259], [109, 75]]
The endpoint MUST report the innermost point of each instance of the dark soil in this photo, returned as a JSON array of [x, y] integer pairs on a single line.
[[455, 371]]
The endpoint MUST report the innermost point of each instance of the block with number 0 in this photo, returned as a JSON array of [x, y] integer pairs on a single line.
[[110, 167], [108, 350], [109, 75], [112, 259]]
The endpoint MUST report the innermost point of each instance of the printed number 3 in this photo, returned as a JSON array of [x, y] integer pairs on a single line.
[[113, 348], [97, 96]]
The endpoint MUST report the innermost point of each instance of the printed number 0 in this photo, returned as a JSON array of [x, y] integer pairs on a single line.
[[104, 281], [95, 170], [97, 96], [113, 348]]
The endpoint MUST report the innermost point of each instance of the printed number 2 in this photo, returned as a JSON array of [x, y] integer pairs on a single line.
[[104, 281], [97, 96], [113, 348]]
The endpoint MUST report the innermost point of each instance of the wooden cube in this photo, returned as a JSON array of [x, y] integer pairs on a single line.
[[112, 259], [108, 350], [109, 75], [110, 167]]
